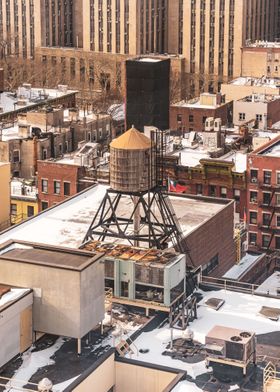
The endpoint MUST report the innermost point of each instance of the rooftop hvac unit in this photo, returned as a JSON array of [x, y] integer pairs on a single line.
[[228, 345], [209, 124], [217, 125]]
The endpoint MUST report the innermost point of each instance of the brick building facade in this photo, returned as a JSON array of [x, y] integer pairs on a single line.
[[214, 178], [263, 196], [211, 244], [191, 116], [57, 181]]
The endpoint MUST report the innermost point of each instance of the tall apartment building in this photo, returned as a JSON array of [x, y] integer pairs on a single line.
[[19, 27], [27, 24], [207, 34], [263, 196], [125, 26], [211, 33]]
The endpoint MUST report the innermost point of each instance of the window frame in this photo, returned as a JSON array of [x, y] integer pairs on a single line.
[[55, 187], [44, 180]]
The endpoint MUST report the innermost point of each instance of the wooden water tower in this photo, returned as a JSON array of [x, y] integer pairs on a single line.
[[134, 208]]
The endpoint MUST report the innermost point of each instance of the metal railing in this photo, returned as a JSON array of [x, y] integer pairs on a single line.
[[269, 374], [228, 284]]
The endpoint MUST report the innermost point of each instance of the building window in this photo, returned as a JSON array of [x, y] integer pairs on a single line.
[[266, 219], [223, 192], [45, 205], [259, 117], [265, 240], [191, 118], [277, 242], [242, 116], [253, 197], [236, 194], [44, 186], [253, 217], [278, 178], [204, 118], [278, 220], [56, 187], [16, 156], [267, 177], [212, 190], [199, 189], [252, 238], [254, 175], [44, 153], [30, 211], [13, 209], [266, 198], [179, 118], [66, 188]]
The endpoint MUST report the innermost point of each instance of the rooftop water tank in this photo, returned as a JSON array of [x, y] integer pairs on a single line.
[[132, 162]]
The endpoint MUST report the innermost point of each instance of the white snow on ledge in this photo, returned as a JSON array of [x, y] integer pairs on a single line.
[[245, 264]]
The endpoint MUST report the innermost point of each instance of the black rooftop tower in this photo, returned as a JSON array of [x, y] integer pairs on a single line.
[[147, 92]]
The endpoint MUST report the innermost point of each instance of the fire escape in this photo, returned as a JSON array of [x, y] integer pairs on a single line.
[[272, 208]]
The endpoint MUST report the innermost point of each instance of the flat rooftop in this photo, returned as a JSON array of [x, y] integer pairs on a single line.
[[256, 82], [56, 357], [239, 311], [197, 103], [263, 44], [271, 285], [259, 98], [67, 223], [191, 156], [238, 158], [29, 253], [273, 150], [29, 97]]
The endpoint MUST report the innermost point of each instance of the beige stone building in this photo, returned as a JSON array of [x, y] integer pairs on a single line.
[[207, 34], [243, 86], [4, 195], [25, 25], [211, 33], [125, 26], [261, 58]]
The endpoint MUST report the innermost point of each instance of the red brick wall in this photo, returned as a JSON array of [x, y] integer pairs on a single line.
[[261, 162], [61, 172], [198, 115], [192, 177], [273, 110], [214, 237]]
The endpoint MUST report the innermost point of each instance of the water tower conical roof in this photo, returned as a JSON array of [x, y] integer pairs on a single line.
[[132, 140]]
